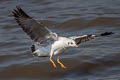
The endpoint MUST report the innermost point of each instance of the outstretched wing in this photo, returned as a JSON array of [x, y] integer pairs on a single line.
[[37, 31], [84, 38]]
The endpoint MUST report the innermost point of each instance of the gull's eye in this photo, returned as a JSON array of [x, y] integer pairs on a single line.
[[71, 43], [68, 42]]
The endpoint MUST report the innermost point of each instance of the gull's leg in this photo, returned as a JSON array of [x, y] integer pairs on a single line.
[[61, 64], [54, 65]]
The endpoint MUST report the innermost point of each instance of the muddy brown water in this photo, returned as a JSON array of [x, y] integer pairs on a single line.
[[98, 59]]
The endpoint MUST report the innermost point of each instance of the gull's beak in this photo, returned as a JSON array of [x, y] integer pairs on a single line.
[[76, 46]]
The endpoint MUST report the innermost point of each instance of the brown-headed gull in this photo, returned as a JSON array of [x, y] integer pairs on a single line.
[[46, 42]]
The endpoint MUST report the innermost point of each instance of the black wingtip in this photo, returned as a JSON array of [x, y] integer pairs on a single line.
[[106, 33], [32, 48], [19, 12]]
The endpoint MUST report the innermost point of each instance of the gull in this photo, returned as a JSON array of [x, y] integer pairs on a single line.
[[46, 42]]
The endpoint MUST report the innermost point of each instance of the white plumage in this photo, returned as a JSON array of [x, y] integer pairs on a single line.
[[46, 43]]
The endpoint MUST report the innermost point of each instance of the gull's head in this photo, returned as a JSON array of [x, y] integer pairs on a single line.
[[71, 43]]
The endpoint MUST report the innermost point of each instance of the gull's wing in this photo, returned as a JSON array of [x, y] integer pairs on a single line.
[[84, 38], [37, 31]]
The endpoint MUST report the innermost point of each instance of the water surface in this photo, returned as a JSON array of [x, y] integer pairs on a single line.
[[98, 59]]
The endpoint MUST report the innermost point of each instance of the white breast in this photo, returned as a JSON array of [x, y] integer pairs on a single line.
[[58, 47]]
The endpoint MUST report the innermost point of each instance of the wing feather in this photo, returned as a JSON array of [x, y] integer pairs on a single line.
[[37, 31], [84, 38]]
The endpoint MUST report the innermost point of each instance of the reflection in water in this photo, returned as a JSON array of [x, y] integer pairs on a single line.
[[94, 60]]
